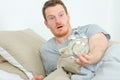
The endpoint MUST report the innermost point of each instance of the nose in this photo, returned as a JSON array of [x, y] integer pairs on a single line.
[[57, 20]]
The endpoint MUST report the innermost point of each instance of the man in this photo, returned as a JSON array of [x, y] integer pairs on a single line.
[[57, 19]]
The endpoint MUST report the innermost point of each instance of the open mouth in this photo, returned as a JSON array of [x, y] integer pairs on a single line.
[[59, 27]]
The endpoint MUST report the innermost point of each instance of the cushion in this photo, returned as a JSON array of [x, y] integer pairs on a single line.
[[24, 46], [58, 74], [2, 59]]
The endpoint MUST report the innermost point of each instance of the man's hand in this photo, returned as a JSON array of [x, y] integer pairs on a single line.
[[38, 78], [98, 44], [84, 59]]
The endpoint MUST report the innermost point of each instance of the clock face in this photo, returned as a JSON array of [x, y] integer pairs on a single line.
[[80, 46]]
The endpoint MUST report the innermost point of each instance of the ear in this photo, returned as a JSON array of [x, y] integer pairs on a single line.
[[68, 17], [46, 23]]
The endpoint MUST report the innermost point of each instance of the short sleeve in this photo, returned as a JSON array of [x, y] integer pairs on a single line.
[[92, 29]]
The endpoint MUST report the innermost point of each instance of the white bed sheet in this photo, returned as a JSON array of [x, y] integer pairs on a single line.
[[9, 76]]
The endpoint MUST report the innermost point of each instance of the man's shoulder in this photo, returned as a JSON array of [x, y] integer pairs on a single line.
[[87, 25]]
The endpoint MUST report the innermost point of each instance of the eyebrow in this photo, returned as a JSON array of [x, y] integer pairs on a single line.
[[59, 13]]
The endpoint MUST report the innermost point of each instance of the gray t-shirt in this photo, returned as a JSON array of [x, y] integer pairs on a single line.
[[50, 50]]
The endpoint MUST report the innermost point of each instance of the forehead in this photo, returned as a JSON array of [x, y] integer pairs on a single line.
[[54, 10]]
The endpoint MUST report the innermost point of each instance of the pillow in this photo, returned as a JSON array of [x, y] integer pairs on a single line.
[[58, 74], [10, 59], [24, 46], [2, 59]]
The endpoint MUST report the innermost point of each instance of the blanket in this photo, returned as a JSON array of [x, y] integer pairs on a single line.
[[69, 70]]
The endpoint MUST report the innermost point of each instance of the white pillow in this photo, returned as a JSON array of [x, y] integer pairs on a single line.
[[8, 76]]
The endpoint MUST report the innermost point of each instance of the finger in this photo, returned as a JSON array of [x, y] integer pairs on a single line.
[[78, 61], [83, 59], [86, 56]]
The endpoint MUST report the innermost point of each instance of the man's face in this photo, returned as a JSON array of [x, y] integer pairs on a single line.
[[57, 20]]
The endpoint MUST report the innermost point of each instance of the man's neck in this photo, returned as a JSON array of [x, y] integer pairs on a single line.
[[60, 40]]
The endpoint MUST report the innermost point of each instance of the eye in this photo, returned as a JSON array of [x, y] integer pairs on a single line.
[[61, 15], [51, 18]]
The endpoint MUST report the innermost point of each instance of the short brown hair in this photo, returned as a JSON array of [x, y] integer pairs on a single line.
[[51, 3]]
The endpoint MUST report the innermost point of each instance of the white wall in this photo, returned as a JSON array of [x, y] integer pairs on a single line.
[[21, 14], [115, 20]]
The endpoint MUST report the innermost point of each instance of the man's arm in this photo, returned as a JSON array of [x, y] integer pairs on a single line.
[[98, 44]]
